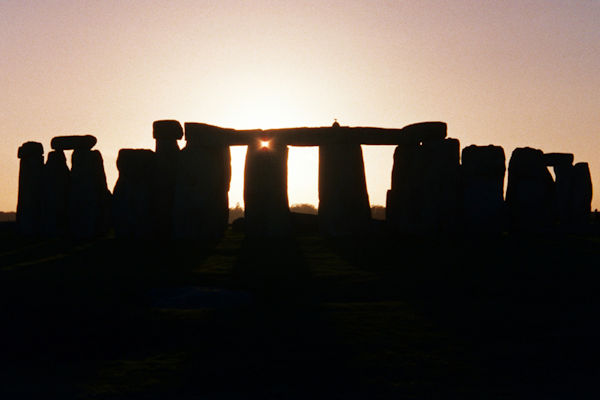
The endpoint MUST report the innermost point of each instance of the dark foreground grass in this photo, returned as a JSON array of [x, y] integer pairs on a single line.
[[508, 317]]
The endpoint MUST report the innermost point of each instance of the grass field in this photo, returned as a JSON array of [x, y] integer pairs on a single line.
[[384, 317]]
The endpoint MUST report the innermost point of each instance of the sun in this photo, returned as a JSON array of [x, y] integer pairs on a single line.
[[264, 144]]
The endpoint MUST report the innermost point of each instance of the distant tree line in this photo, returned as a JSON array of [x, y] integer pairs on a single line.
[[377, 212]]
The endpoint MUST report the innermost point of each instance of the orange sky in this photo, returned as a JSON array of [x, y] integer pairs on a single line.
[[512, 73]]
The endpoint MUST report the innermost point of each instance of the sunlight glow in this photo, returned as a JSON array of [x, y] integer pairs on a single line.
[[264, 144]]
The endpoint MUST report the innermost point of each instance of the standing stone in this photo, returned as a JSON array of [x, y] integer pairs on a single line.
[[201, 202], [89, 198], [530, 191], [134, 195], [581, 197], [29, 203], [482, 171], [267, 212], [562, 163], [402, 198], [424, 197], [343, 199], [56, 185], [166, 133]]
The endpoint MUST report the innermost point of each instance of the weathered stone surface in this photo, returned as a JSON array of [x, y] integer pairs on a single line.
[[81, 142], [424, 197], [167, 129], [581, 197], [89, 198], [482, 171], [557, 159], [530, 191], [343, 199], [56, 183], [201, 202], [266, 211], [29, 203], [134, 195]]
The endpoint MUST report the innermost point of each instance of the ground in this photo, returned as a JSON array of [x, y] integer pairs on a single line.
[[378, 317]]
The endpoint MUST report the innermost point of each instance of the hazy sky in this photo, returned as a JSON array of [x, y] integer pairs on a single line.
[[512, 73]]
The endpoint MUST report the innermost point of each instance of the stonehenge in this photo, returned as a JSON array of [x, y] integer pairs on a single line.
[[182, 194]]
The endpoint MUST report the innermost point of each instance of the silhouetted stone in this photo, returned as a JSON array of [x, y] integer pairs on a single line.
[[562, 164], [424, 197], [402, 197], [343, 199], [82, 142], [581, 197], [167, 129], [483, 169], [530, 191], [166, 133], [266, 211], [134, 196], [89, 198], [201, 203], [557, 159], [56, 183], [31, 155], [422, 132]]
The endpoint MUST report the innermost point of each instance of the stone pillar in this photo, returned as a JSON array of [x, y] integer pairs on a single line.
[[562, 163], [201, 202], [89, 198], [57, 180], [267, 212], [344, 207], [581, 195], [530, 191], [424, 197], [134, 196], [166, 133], [29, 203], [482, 171], [402, 198]]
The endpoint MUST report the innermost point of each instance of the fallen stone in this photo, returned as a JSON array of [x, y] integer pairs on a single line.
[[84, 142]]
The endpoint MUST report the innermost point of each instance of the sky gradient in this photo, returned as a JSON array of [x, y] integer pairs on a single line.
[[513, 73]]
